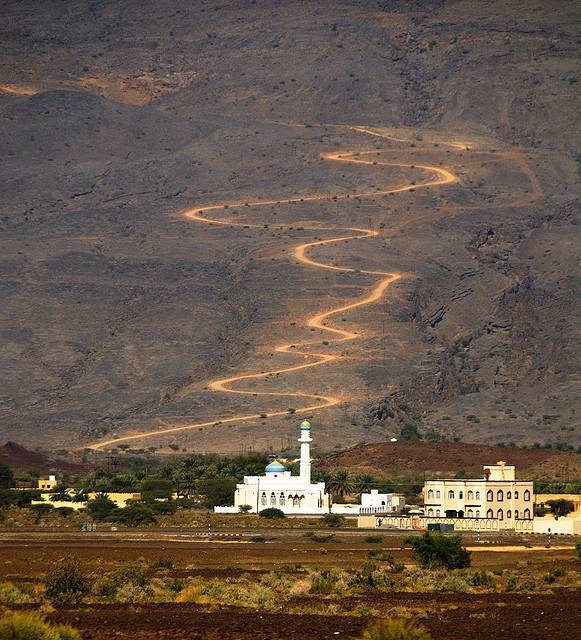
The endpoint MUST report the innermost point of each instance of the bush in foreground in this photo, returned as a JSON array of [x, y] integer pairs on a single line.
[[27, 626], [433, 550], [272, 513], [67, 583], [333, 520], [395, 630]]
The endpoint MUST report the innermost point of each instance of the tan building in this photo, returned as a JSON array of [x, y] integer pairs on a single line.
[[497, 495], [47, 484]]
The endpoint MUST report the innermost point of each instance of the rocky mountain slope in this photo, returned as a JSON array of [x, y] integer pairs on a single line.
[[117, 312]]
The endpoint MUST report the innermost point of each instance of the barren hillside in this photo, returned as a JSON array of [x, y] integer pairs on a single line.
[[218, 217]]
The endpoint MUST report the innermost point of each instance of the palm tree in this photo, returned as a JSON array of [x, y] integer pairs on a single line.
[[60, 494], [82, 495], [365, 483], [342, 484]]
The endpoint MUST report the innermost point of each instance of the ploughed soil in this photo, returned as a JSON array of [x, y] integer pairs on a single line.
[[458, 616]]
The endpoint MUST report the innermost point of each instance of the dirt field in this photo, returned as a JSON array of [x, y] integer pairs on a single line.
[[462, 616]]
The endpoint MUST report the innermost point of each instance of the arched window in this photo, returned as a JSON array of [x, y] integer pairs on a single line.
[[437, 513], [461, 494], [489, 513], [500, 495], [281, 499], [478, 495], [430, 513], [516, 514], [527, 495], [509, 514], [451, 495], [263, 498], [296, 501], [516, 495], [301, 500], [438, 494], [273, 499], [477, 513], [527, 514], [500, 514], [430, 494], [469, 513], [471, 495], [490, 495], [508, 495]]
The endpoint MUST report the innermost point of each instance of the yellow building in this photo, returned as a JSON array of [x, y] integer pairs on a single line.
[[497, 495], [47, 484]]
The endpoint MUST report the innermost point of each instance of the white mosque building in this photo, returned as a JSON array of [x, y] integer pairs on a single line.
[[278, 488]]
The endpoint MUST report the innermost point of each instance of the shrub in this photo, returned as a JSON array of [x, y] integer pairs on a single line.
[[11, 594], [373, 539], [453, 583], [395, 630], [133, 593], [66, 582], [436, 550], [321, 537], [480, 579], [101, 508], [324, 582], [272, 513], [27, 626], [333, 520], [244, 508], [258, 539]]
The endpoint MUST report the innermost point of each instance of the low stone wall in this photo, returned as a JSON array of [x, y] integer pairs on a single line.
[[407, 523]]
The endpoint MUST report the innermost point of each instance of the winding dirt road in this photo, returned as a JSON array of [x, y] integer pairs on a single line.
[[437, 176]]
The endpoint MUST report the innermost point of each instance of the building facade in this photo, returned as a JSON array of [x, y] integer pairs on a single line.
[[375, 502], [278, 488], [498, 495]]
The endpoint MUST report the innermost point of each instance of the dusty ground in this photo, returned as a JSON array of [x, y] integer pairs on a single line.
[[115, 117], [462, 616]]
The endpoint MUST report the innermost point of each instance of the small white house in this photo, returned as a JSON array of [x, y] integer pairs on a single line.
[[375, 502]]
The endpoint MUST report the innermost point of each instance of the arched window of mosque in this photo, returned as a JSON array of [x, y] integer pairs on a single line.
[[509, 514], [438, 494], [516, 514], [500, 514], [450, 495], [263, 498], [471, 495], [470, 513], [437, 513], [273, 499], [296, 501], [490, 495], [281, 499], [490, 513], [430, 494], [478, 495], [500, 495], [301, 500], [527, 514], [508, 495], [516, 495], [527, 495], [430, 512], [477, 513]]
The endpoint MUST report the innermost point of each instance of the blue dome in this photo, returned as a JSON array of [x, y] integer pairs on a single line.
[[275, 467], [305, 425]]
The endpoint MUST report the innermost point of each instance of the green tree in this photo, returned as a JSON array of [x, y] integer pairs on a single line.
[[217, 492], [134, 515], [101, 508], [434, 550], [342, 484], [365, 483], [561, 507], [245, 508], [60, 494], [6, 476]]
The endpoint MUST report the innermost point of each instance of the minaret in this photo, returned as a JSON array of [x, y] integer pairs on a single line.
[[305, 441]]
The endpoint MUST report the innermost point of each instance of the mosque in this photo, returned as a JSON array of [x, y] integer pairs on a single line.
[[278, 488]]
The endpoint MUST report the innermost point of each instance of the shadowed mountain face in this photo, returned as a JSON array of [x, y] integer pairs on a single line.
[[120, 316]]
